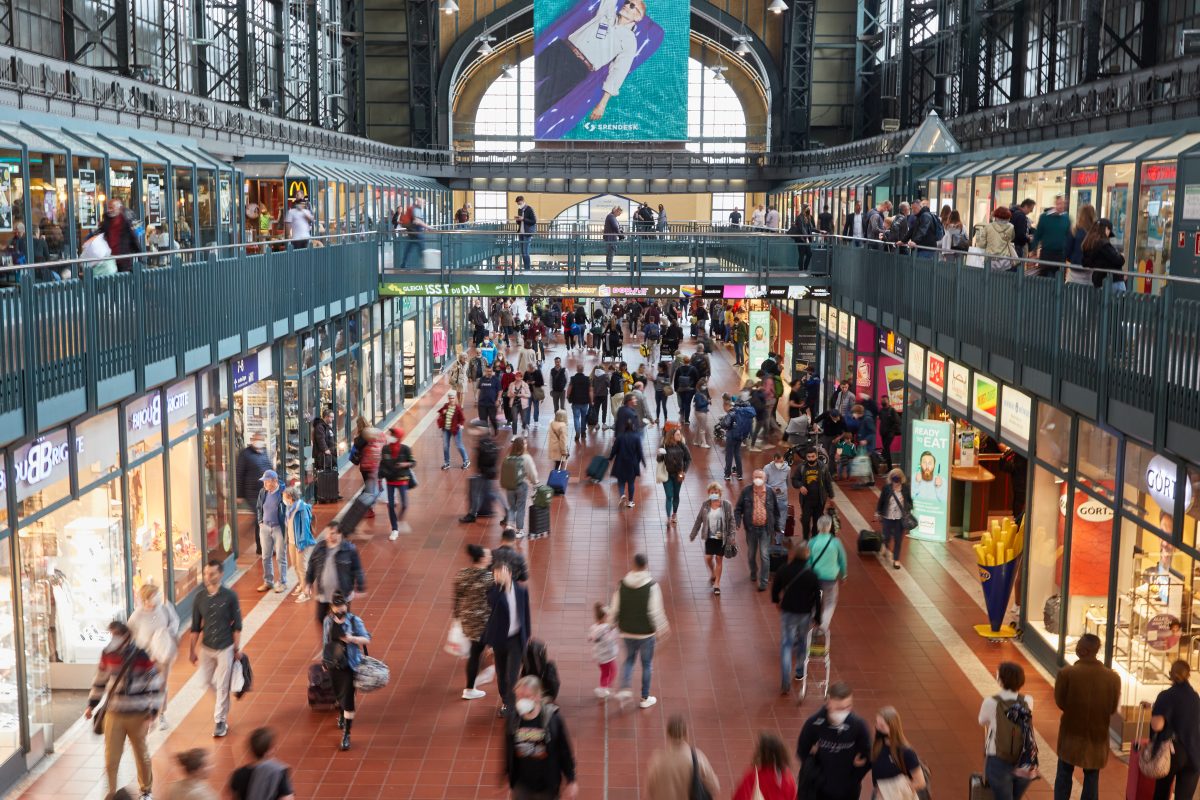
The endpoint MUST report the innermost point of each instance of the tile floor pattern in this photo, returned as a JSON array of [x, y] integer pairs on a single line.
[[719, 666]]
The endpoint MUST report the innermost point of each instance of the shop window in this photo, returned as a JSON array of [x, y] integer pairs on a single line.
[[48, 200], [181, 408], [1096, 458], [89, 194], [123, 178], [218, 530], [1118, 201], [1156, 202], [1191, 512], [148, 523], [98, 448], [983, 200], [10, 714], [184, 208], [1149, 491], [723, 203], [1053, 436], [72, 564], [214, 388], [1043, 590], [1042, 188], [185, 518]]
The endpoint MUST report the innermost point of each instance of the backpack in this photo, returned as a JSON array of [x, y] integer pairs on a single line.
[[743, 421], [652, 330], [356, 454], [939, 232], [1010, 733], [406, 218], [512, 472]]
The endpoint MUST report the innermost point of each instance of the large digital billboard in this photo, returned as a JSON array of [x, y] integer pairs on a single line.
[[608, 70]]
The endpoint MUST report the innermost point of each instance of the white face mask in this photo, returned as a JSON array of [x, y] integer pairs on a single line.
[[525, 706], [714, 497], [758, 481], [834, 717]]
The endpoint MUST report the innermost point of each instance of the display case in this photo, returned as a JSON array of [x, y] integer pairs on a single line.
[[293, 444]]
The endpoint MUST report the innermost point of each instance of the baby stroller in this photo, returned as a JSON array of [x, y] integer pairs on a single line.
[[537, 662]]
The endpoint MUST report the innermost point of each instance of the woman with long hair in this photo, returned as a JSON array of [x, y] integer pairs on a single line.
[[1100, 256], [770, 773], [894, 504], [1175, 717], [895, 768], [715, 521], [155, 629], [1085, 220], [676, 459], [344, 637]]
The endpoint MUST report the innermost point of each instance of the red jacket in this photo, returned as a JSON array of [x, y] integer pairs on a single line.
[[456, 421], [773, 785]]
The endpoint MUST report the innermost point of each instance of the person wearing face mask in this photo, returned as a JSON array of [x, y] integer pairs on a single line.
[[777, 474], [508, 629], [894, 505], [715, 521], [702, 402], [252, 463], [815, 485], [539, 762], [896, 770], [840, 741], [134, 689], [343, 637], [154, 626], [757, 512]]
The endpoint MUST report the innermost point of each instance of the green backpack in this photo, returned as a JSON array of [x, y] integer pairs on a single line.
[[543, 496], [512, 472]]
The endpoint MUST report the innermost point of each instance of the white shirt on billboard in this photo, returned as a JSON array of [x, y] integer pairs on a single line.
[[602, 41]]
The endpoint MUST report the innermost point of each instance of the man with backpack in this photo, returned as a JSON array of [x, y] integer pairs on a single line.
[[413, 221], [684, 382], [526, 220], [1009, 746], [797, 592], [538, 762], [738, 422], [652, 335]]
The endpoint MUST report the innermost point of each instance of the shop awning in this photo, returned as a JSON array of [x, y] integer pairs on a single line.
[[1103, 154], [1173, 148], [136, 149], [1042, 161], [1140, 149]]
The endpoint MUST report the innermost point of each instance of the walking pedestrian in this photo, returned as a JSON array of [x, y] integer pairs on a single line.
[[508, 629], [1004, 717], [269, 511], [298, 519], [627, 460], [252, 463], [451, 419], [605, 640], [704, 429], [756, 512], [366, 452], [738, 423], [770, 773], [811, 478], [830, 564], [896, 770], [677, 766], [579, 395], [893, 507], [556, 445], [797, 591], [196, 767], [344, 636], [676, 459], [519, 399], [558, 384], [471, 611], [395, 469], [662, 384], [684, 381], [637, 610], [777, 473], [840, 741], [538, 762], [217, 634], [334, 567], [715, 521], [1088, 693], [486, 400], [518, 477], [890, 426], [597, 414], [264, 777], [155, 629], [506, 553], [1175, 717], [133, 687], [482, 497]]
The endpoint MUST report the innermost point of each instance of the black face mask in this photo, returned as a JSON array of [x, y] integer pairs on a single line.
[[339, 617]]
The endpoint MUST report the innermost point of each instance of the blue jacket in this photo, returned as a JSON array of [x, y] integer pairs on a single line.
[[251, 464], [496, 631], [353, 626], [301, 512], [701, 402], [866, 429], [489, 391], [1075, 248]]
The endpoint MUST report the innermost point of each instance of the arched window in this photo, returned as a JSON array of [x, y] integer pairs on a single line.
[[593, 210], [716, 119]]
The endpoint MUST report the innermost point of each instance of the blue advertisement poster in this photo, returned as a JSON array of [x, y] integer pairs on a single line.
[[930, 478], [610, 70]]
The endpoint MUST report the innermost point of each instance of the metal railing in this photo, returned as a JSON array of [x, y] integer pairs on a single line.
[[1130, 359], [80, 343]]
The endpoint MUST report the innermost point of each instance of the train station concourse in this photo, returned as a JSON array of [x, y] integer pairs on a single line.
[[599, 399]]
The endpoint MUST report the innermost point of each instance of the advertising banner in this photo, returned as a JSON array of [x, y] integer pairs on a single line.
[[609, 70], [984, 401], [760, 336], [930, 471], [396, 289], [86, 193]]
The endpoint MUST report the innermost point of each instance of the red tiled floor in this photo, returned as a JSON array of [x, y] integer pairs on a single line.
[[718, 666]]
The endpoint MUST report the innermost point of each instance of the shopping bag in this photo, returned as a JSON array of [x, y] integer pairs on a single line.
[[457, 644], [975, 257], [371, 674]]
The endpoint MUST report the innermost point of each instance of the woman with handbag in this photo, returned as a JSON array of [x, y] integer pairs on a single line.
[[344, 637], [674, 458], [770, 773], [395, 469], [155, 628], [895, 769], [715, 521], [537, 390], [1175, 723], [471, 611], [894, 511]]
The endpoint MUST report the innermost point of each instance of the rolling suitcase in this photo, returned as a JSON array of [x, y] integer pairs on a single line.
[[979, 789], [597, 468], [593, 416], [789, 526], [1138, 786], [320, 689], [353, 515], [480, 498], [869, 541], [539, 522], [326, 490], [558, 480]]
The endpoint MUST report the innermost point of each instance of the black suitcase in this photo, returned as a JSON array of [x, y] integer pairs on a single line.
[[326, 490], [320, 689], [978, 789], [597, 468], [353, 515], [869, 541], [593, 416], [477, 486], [539, 522]]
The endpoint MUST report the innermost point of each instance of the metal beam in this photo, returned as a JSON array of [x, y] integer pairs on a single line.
[[868, 47], [798, 58], [423, 71]]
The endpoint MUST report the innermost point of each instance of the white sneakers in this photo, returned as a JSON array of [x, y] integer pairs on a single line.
[[648, 701], [472, 694], [601, 692], [394, 536]]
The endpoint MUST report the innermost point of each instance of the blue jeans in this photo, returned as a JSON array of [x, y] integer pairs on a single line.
[[757, 555], [1062, 782], [274, 543], [671, 488], [518, 499], [634, 647], [1005, 785], [793, 648], [626, 487], [462, 451], [392, 489], [580, 411], [525, 250], [733, 454], [415, 241]]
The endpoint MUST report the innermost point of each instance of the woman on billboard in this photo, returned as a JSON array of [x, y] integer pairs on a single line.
[[584, 58]]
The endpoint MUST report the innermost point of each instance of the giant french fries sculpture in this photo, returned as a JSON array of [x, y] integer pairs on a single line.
[[998, 556]]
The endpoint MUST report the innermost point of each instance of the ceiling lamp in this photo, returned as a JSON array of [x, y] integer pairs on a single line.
[[506, 71], [450, 7], [718, 71], [776, 7], [485, 47], [743, 48]]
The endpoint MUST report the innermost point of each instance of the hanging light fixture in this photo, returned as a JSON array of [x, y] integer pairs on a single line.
[[507, 72], [718, 71], [743, 48], [485, 47], [449, 7], [777, 7]]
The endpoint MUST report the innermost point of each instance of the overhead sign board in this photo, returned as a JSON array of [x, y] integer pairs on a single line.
[[397, 289]]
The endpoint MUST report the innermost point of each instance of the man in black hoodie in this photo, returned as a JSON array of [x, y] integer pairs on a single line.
[[840, 741], [538, 757], [797, 591]]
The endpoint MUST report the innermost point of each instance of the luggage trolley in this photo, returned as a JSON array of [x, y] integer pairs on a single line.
[[818, 654]]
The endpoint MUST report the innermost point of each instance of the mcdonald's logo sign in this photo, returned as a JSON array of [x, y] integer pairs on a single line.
[[297, 188]]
